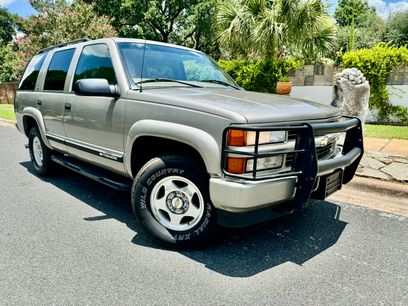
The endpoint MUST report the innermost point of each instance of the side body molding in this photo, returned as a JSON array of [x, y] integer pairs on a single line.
[[203, 142], [36, 114]]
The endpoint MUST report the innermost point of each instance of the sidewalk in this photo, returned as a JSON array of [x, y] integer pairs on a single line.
[[387, 146], [385, 159]]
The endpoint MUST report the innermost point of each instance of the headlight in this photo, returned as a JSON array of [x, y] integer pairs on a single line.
[[248, 138], [266, 137], [265, 163]]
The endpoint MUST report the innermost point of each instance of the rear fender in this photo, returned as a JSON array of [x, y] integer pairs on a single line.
[[37, 116]]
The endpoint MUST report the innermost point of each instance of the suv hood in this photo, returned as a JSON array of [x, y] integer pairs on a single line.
[[254, 107]]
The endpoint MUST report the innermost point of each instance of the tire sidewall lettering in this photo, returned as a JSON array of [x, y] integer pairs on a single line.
[[160, 173], [143, 197]]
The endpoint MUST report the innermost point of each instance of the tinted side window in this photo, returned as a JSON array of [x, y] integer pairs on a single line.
[[31, 73], [57, 70], [95, 63]]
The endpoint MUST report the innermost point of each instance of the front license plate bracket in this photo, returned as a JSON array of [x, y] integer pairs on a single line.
[[328, 185]]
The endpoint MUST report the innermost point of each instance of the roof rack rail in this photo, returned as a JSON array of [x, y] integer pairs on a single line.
[[64, 44]]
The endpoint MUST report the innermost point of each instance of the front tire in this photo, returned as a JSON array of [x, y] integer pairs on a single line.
[[39, 153], [170, 198]]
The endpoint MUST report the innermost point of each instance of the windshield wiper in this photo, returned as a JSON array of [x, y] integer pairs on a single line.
[[166, 80], [221, 83]]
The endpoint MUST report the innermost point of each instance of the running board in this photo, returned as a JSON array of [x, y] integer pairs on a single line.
[[100, 175]]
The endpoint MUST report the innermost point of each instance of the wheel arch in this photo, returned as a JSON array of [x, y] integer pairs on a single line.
[[33, 117], [148, 138]]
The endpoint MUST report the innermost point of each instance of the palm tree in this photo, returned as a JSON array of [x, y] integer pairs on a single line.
[[270, 27]]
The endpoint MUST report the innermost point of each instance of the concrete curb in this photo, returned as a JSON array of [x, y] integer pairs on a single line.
[[396, 189], [388, 197], [8, 121]]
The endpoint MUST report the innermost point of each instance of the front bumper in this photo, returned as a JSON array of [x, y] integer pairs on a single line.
[[235, 194], [244, 196]]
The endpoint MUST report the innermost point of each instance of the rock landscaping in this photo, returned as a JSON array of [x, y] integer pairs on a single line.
[[384, 166]]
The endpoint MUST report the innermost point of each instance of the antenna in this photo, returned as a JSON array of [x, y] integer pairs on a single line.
[[143, 58]]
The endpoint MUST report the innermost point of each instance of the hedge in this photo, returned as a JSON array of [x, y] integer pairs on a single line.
[[376, 65], [259, 75]]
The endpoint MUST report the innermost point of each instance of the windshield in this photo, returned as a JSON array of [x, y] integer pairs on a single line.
[[167, 63]]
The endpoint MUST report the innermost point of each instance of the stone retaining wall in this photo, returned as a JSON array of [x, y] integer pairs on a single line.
[[323, 75]]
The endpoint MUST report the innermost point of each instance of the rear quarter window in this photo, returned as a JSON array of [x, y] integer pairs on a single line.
[[31, 73]]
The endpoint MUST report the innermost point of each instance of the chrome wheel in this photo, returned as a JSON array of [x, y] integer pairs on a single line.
[[37, 151], [177, 203]]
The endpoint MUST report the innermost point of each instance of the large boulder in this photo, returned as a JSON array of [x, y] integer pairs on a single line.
[[351, 93]]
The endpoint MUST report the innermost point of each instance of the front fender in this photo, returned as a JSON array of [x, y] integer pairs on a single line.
[[201, 141], [36, 114]]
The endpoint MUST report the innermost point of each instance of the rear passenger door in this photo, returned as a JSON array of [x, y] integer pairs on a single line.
[[53, 97], [94, 124]]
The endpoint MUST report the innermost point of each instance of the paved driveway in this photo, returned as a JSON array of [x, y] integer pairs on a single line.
[[69, 240]]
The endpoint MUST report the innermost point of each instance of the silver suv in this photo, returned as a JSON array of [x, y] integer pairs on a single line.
[[168, 124]]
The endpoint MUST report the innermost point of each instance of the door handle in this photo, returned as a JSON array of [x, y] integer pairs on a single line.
[[39, 102], [67, 106]]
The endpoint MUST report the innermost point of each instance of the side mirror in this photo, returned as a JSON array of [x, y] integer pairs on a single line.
[[95, 87]]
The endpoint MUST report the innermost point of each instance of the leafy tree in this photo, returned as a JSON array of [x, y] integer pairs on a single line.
[[8, 26], [364, 38], [185, 22], [10, 63], [57, 21], [396, 31], [359, 25], [198, 30], [267, 28], [125, 16], [348, 11]]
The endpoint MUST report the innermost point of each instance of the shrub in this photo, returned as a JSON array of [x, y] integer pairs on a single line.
[[377, 64], [259, 75]]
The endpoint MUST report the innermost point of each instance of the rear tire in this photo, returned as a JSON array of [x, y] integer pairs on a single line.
[[39, 153], [170, 198]]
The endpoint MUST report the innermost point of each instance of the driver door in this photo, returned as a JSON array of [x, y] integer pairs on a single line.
[[94, 124]]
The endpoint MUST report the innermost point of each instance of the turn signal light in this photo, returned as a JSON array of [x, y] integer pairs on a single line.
[[236, 138], [236, 165]]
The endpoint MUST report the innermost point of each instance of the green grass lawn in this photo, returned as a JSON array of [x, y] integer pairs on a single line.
[[7, 111], [386, 131]]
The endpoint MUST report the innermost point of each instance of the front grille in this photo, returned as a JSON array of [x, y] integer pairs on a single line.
[[322, 153], [292, 135], [325, 151], [289, 160]]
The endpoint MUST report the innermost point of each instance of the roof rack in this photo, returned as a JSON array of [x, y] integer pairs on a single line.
[[64, 44]]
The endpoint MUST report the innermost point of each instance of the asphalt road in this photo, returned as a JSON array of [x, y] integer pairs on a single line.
[[69, 240]]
